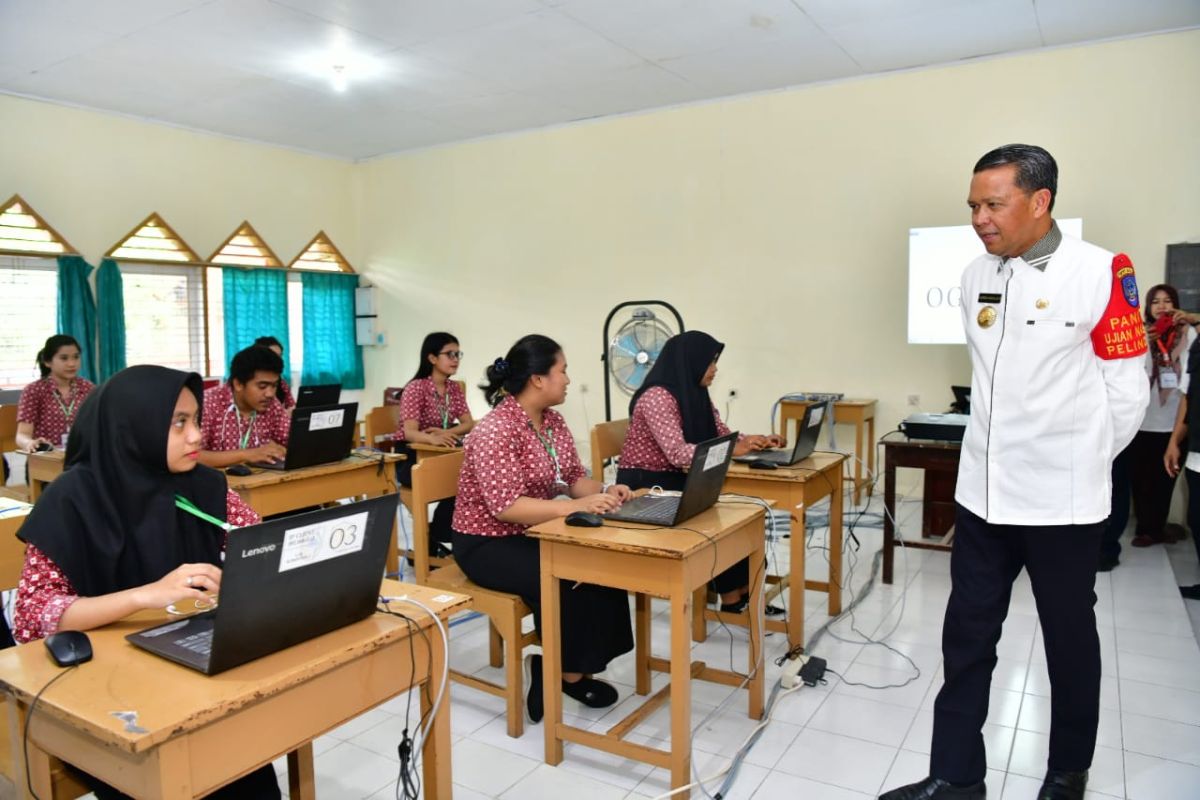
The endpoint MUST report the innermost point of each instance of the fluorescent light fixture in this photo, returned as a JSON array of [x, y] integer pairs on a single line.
[[339, 66]]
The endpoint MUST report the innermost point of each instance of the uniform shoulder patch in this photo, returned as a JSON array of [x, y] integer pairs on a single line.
[[1120, 332]]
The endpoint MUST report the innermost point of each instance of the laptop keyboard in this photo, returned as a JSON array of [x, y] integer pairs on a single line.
[[653, 509], [200, 643]]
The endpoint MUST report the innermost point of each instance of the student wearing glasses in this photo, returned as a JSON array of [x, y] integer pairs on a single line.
[[433, 410], [48, 406]]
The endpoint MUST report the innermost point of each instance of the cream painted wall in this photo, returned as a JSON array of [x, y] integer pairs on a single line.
[[95, 176], [776, 222]]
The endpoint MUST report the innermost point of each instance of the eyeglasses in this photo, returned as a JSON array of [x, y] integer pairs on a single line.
[[452, 354]]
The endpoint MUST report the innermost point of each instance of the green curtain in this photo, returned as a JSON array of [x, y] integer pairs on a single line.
[[256, 304], [331, 354], [110, 319], [77, 310]]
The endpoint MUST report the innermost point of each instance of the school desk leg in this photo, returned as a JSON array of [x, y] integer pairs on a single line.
[[796, 544], [757, 669], [39, 762], [681, 687], [435, 753], [836, 500], [641, 648], [551, 656], [302, 781]]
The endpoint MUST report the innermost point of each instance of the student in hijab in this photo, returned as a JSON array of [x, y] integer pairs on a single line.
[[134, 522], [670, 414]]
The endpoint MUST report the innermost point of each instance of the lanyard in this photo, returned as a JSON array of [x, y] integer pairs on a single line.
[[67, 410], [1166, 349], [548, 443], [183, 504], [243, 438], [446, 410]]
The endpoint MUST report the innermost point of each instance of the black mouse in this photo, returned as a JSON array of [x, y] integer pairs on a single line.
[[238, 469], [584, 519], [762, 465], [43, 447], [69, 648]]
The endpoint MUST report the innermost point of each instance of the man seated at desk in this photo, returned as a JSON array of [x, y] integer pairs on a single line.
[[243, 419]]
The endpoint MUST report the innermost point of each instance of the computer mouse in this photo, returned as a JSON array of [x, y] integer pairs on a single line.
[[69, 648], [762, 465], [584, 519], [43, 447], [238, 469]]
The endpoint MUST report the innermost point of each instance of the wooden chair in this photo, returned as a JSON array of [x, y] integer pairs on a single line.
[[8, 429], [607, 440], [435, 479], [380, 421]]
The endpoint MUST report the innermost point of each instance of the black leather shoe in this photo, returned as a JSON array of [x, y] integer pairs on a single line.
[[533, 698], [937, 789], [1190, 592], [1062, 785]]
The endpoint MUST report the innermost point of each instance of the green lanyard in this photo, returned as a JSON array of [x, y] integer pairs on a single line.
[[183, 504], [245, 437], [445, 409], [548, 443], [67, 410]]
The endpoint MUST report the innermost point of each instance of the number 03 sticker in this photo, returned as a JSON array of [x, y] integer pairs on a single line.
[[323, 541]]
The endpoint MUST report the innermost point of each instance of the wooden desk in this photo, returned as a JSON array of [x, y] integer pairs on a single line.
[[671, 564], [796, 488], [940, 462], [860, 414], [198, 733], [422, 450], [43, 468]]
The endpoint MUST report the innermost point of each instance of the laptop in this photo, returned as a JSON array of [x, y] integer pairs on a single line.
[[324, 394], [705, 478], [284, 582], [806, 441], [319, 435], [962, 399]]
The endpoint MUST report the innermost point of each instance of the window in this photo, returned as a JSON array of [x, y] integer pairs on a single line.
[[164, 316], [23, 232], [219, 359], [29, 308], [245, 248], [321, 254]]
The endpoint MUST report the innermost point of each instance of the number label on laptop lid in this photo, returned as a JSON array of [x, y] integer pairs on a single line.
[[320, 420], [716, 455], [322, 541]]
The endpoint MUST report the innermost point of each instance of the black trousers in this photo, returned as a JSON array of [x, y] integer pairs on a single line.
[[1152, 486], [1193, 510], [731, 579], [595, 620], [1118, 517], [1061, 561]]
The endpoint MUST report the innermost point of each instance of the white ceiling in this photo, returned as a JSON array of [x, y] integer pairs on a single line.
[[459, 69]]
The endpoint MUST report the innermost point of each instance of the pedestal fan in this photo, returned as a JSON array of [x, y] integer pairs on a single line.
[[634, 334]]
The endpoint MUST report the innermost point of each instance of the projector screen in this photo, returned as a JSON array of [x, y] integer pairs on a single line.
[[936, 260]]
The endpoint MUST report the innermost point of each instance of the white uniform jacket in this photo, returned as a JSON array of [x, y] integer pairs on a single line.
[[1048, 414]]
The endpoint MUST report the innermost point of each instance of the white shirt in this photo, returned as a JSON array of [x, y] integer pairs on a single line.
[[1160, 416], [1047, 414]]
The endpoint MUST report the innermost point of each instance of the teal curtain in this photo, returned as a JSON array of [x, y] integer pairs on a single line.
[[256, 304], [330, 352], [110, 319], [77, 310]]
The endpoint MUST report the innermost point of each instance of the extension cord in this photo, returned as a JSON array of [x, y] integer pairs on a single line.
[[806, 669]]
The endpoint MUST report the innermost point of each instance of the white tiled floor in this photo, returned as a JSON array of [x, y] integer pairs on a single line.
[[841, 742]]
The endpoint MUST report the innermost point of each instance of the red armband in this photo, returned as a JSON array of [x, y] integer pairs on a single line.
[[1120, 332]]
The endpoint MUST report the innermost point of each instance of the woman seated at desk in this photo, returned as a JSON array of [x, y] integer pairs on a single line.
[[519, 462], [48, 406], [134, 522], [433, 410], [670, 414]]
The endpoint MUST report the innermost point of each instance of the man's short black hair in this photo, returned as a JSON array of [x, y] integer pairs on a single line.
[[269, 341], [255, 358], [1036, 168]]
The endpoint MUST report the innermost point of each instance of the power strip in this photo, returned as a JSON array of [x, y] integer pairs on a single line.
[[809, 670]]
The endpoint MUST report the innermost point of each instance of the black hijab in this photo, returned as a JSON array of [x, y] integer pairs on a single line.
[[680, 366], [109, 521]]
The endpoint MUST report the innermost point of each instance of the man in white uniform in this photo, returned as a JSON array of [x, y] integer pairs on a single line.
[[1055, 337]]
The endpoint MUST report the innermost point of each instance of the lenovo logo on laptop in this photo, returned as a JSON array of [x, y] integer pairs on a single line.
[[258, 551]]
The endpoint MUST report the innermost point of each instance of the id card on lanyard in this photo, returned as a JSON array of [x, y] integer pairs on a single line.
[[1167, 377], [548, 444]]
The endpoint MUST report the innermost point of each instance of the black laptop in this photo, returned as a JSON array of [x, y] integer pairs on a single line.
[[705, 478], [806, 441], [322, 394], [319, 435], [284, 582], [962, 399]]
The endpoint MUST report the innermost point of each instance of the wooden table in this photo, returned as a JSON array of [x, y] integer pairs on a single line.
[[422, 450], [43, 468], [198, 733], [796, 489], [12, 550], [671, 564], [860, 414], [940, 462]]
